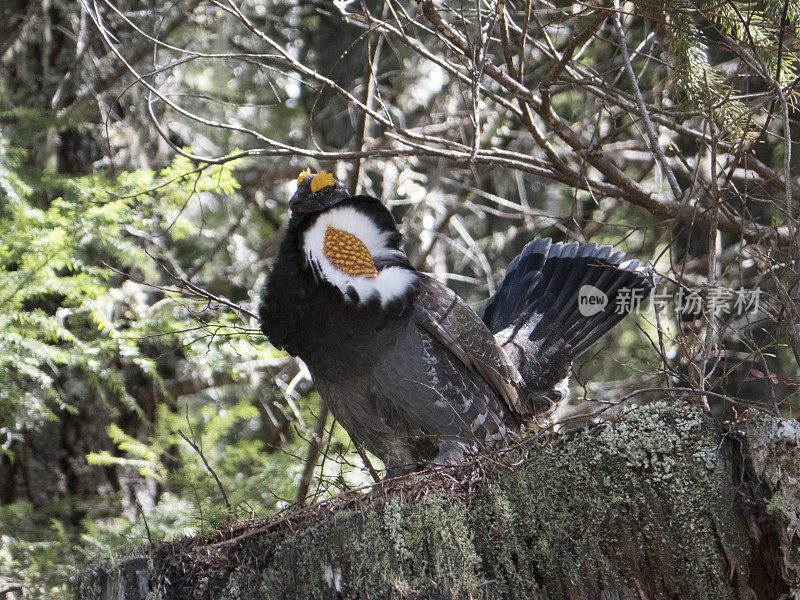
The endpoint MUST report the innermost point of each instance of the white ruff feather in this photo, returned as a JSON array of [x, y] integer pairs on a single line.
[[390, 283]]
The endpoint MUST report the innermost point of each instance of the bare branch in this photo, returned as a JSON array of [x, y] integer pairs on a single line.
[[652, 136]]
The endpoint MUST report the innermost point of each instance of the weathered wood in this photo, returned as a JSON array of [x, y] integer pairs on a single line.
[[662, 504]]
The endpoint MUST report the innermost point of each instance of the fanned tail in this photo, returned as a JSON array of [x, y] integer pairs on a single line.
[[556, 300]]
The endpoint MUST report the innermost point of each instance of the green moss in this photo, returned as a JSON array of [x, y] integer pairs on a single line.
[[635, 506]]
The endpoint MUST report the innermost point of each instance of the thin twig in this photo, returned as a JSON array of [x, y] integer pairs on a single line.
[[199, 451], [655, 146], [365, 459], [314, 446]]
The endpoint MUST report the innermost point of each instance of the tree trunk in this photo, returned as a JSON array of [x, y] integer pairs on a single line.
[[662, 504]]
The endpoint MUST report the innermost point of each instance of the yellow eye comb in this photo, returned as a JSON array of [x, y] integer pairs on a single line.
[[303, 175], [322, 181]]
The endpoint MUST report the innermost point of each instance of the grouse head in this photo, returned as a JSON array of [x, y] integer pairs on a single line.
[[350, 243], [316, 193]]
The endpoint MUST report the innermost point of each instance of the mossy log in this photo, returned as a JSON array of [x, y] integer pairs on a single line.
[[663, 503]]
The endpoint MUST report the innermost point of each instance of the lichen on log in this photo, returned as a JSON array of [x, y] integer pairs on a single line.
[[659, 504]]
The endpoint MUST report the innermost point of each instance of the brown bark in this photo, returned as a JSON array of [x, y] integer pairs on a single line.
[[663, 504]]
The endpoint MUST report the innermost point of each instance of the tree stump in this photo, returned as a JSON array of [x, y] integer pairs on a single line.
[[663, 503]]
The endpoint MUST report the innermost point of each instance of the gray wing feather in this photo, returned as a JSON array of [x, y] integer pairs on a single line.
[[445, 316]]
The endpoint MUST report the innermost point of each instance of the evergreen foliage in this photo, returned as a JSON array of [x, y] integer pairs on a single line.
[[111, 361], [746, 25]]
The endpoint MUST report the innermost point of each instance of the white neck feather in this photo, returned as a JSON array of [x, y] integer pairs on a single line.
[[391, 282]]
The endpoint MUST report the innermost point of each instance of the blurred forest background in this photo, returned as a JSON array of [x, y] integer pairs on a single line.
[[147, 154]]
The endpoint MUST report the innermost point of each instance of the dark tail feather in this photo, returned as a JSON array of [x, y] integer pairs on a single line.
[[542, 313]]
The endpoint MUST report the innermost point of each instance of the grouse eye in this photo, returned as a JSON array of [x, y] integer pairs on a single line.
[[327, 191]]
